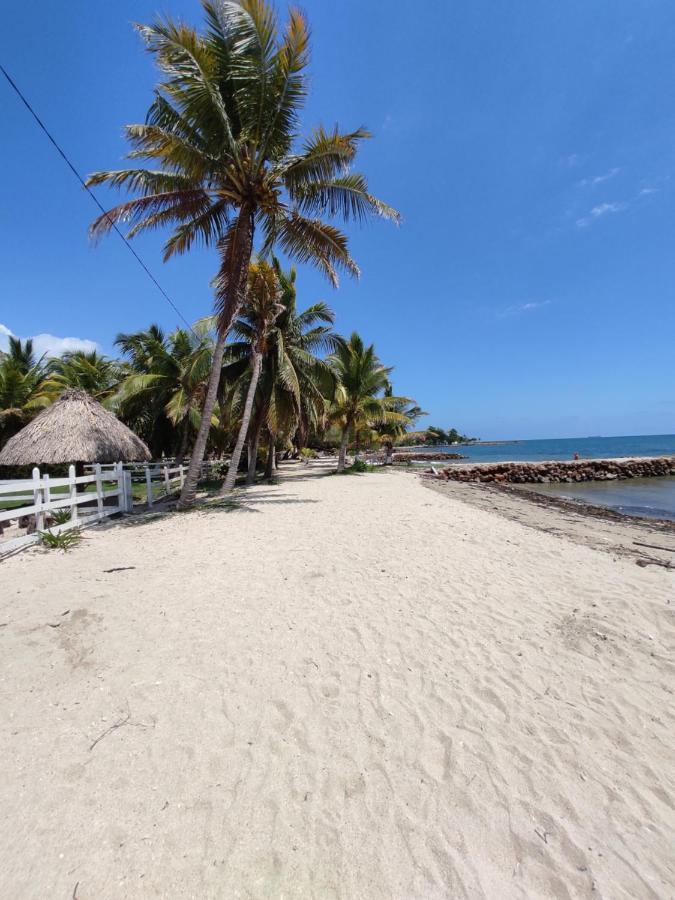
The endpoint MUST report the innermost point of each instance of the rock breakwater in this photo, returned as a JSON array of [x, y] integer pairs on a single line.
[[561, 472], [429, 456]]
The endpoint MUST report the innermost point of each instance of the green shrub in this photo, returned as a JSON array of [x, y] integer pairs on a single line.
[[65, 540], [219, 469], [358, 467]]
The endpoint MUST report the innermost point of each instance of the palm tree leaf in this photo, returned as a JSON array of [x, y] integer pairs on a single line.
[[347, 197], [142, 212], [312, 240], [325, 155]]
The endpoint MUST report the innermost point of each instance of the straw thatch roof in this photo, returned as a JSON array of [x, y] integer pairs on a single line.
[[75, 428]]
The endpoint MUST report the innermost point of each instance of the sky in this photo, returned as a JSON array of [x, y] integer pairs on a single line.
[[529, 147]]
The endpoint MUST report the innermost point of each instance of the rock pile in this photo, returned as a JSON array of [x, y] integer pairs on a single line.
[[405, 456], [557, 472]]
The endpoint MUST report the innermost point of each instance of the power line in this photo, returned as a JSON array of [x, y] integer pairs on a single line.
[[72, 168]]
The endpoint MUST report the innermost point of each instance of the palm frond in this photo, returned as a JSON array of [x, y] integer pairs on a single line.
[[347, 197], [311, 240]]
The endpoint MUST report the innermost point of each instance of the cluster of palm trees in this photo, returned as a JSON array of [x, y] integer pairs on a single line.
[[286, 379], [226, 168]]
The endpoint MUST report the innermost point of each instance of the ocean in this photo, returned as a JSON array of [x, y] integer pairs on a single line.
[[565, 448], [649, 497]]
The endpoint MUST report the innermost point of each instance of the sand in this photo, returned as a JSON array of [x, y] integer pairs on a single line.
[[344, 687]]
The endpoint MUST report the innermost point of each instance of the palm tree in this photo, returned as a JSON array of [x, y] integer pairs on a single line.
[[20, 354], [90, 372], [163, 391], [22, 392], [294, 381], [299, 383], [223, 129], [360, 398], [260, 311], [388, 434]]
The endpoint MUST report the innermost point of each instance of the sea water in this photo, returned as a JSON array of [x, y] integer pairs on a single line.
[[650, 497]]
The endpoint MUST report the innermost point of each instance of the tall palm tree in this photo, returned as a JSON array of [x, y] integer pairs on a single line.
[[360, 398], [294, 381], [163, 391], [298, 382], [261, 309], [223, 129]]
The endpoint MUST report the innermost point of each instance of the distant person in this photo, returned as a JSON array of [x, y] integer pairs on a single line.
[[576, 456]]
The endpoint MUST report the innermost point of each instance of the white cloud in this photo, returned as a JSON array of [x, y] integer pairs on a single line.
[[520, 308], [50, 344], [648, 190], [600, 179], [602, 209]]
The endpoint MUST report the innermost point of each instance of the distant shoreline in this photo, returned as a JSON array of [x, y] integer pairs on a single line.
[[404, 447]]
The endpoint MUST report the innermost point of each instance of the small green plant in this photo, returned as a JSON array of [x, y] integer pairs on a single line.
[[61, 516], [308, 453], [64, 540], [358, 467], [219, 469]]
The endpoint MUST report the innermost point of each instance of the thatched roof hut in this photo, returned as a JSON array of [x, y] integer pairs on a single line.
[[74, 429]]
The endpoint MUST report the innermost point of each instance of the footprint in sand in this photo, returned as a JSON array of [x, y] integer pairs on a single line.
[[330, 689]]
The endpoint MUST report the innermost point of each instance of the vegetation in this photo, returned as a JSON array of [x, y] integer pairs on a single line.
[[162, 392], [222, 138], [64, 540], [227, 169], [433, 436], [22, 393], [362, 398], [287, 383], [358, 467]]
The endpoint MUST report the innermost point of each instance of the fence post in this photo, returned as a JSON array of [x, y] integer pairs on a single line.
[[119, 478], [128, 492], [148, 485], [181, 470], [37, 501], [99, 489], [121, 487], [167, 481], [73, 494], [46, 493]]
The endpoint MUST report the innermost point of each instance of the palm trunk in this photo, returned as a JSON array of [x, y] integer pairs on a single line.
[[243, 428], [235, 292], [253, 441], [182, 450], [343, 449], [269, 467]]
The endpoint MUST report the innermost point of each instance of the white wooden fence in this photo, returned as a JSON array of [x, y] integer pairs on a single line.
[[165, 478], [47, 495]]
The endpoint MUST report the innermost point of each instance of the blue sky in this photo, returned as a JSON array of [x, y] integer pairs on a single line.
[[529, 146]]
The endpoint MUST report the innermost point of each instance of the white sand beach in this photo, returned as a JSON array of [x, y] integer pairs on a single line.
[[345, 687]]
